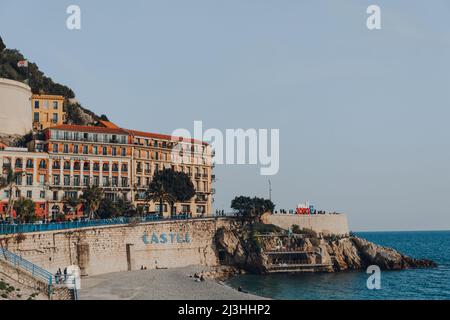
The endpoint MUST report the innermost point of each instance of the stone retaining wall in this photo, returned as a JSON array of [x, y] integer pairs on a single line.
[[97, 250]]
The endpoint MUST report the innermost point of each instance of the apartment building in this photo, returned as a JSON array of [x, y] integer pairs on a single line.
[[153, 152], [31, 183], [85, 155], [67, 158], [47, 111]]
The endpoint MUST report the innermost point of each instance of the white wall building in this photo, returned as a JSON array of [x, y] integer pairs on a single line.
[[15, 111]]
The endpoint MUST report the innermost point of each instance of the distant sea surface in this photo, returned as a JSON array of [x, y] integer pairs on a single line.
[[405, 284]]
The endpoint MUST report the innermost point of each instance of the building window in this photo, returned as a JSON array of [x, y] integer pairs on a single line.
[[185, 208], [124, 182], [55, 148], [42, 164], [29, 194], [85, 181], [29, 179], [36, 104], [18, 163], [115, 181], [41, 180], [36, 117], [95, 149], [96, 180], [56, 180], [124, 167], [75, 148], [105, 151], [201, 209], [42, 195], [66, 165], [85, 149], [124, 152], [55, 118], [76, 181], [66, 180], [65, 148], [55, 105], [30, 164], [164, 207], [114, 151], [86, 166]]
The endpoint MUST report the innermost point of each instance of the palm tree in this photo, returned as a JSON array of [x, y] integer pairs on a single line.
[[9, 181], [72, 204], [157, 192], [25, 210], [91, 198]]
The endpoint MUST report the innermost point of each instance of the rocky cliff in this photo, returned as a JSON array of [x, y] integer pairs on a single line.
[[256, 253]]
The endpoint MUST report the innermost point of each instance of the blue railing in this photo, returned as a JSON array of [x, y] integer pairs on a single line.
[[35, 227], [36, 272]]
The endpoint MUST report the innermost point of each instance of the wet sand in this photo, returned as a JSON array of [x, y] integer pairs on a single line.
[[163, 284]]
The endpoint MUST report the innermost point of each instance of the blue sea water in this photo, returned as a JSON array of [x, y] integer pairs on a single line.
[[430, 284]]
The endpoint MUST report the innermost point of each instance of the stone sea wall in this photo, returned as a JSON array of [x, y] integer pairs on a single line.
[[326, 223], [99, 250]]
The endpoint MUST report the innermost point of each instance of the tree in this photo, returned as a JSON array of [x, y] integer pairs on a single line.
[[9, 182], [91, 198], [112, 209], [157, 192], [251, 209], [107, 209], [71, 204], [25, 210], [2, 45], [170, 186]]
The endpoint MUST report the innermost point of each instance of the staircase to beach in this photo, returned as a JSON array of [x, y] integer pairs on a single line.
[[28, 275]]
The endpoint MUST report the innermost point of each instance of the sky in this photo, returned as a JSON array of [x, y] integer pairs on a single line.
[[363, 114]]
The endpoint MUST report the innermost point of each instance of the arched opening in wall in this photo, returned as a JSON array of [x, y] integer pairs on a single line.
[[55, 212]]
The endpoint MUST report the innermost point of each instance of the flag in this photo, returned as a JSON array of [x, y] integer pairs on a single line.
[[22, 63]]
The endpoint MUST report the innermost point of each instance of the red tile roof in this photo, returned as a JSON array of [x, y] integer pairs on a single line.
[[70, 127]]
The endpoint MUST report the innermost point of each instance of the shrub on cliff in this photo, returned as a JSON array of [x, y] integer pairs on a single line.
[[251, 209], [262, 228]]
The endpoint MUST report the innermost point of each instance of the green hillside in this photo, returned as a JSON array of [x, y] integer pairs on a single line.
[[39, 83]]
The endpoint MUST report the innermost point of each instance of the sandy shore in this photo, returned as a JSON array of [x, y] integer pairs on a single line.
[[165, 284]]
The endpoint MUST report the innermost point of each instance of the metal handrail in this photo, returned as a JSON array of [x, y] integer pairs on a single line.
[[36, 271]]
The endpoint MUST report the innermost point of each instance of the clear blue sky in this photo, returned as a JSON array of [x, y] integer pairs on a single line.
[[363, 115]]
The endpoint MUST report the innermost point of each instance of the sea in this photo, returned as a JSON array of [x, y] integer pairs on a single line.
[[413, 284]]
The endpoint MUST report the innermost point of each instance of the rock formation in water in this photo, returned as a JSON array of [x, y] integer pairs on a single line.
[[256, 253]]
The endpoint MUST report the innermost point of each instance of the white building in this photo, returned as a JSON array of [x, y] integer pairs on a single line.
[[15, 112]]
